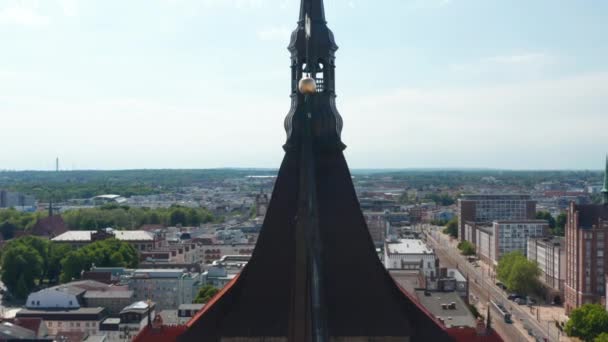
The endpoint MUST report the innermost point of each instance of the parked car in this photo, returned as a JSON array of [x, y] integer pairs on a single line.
[[501, 285], [519, 301], [530, 300], [513, 296]]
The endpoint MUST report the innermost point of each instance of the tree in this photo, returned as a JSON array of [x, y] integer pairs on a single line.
[[7, 229], [545, 215], [451, 228], [56, 253], [518, 273], [466, 248], [603, 337], [21, 268], [560, 224], [104, 253], [588, 322], [205, 294]]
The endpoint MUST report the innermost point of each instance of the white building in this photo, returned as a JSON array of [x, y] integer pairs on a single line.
[[212, 252], [486, 245], [410, 254], [185, 312], [513, 235], [167, 288], [132, 319], [140, 239], [503, 237], [550, 255], [53, 298], [85, 320]]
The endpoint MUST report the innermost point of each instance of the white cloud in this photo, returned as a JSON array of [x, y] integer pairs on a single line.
[[554, 121], [524, 58], [70, 7], [23, 16], [274, 34], [509, 66]]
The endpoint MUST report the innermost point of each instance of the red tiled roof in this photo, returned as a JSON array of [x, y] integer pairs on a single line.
[[163, 334]]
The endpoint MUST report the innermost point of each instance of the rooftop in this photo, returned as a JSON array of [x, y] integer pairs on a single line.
[[10, 331], [191, 306], [459, 316], [85, 235], [108, 294], [408, 246], [140, 306]]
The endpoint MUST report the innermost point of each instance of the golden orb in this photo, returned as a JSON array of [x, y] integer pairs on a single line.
[[307, 85]]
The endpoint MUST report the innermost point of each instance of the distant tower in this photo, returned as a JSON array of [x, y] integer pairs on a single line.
[[605, 188], [261, 203], [57, 164]]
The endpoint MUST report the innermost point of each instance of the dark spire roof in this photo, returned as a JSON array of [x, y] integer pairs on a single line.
[[314, 8], [314, 273]]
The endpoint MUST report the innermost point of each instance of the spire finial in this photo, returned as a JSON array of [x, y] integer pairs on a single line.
[[314, 9]]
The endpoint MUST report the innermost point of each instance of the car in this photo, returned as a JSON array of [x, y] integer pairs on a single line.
[[513, 296], [530, 300], [501, 285], [519, 301]]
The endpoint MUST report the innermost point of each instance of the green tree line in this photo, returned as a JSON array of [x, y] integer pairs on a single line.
[[29, 261], [132, 218], [111, 215]]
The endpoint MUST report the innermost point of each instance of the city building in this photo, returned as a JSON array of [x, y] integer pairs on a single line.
[[84, 320], [140, 239], [448, 280], [168, 288], [488, 208], [182, 253], [586, 251], [134, 318], [261, 204], [185, 312], [502, 237], [410, 254], [550, 255], [484, 242], [113, 301], [17, 200], [377, 223], [128, 322], [82, 293], [212, 252]]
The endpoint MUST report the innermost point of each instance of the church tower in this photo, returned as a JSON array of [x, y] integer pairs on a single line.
[[314, 275]]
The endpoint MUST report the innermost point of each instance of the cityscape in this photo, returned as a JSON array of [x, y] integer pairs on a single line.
[[309, 249]]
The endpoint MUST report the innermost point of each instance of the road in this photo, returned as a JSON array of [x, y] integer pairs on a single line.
[[486, 289]]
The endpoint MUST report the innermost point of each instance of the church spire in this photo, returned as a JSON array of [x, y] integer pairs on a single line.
[[314, 9], [605, 188]]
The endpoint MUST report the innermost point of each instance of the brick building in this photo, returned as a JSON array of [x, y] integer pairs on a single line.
[[586, 255]]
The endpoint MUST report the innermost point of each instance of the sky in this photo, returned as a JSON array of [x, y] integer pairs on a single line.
[[124, 84]]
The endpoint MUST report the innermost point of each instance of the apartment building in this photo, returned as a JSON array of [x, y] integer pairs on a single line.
[[586, 254], [550, 255], [488, 208]]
